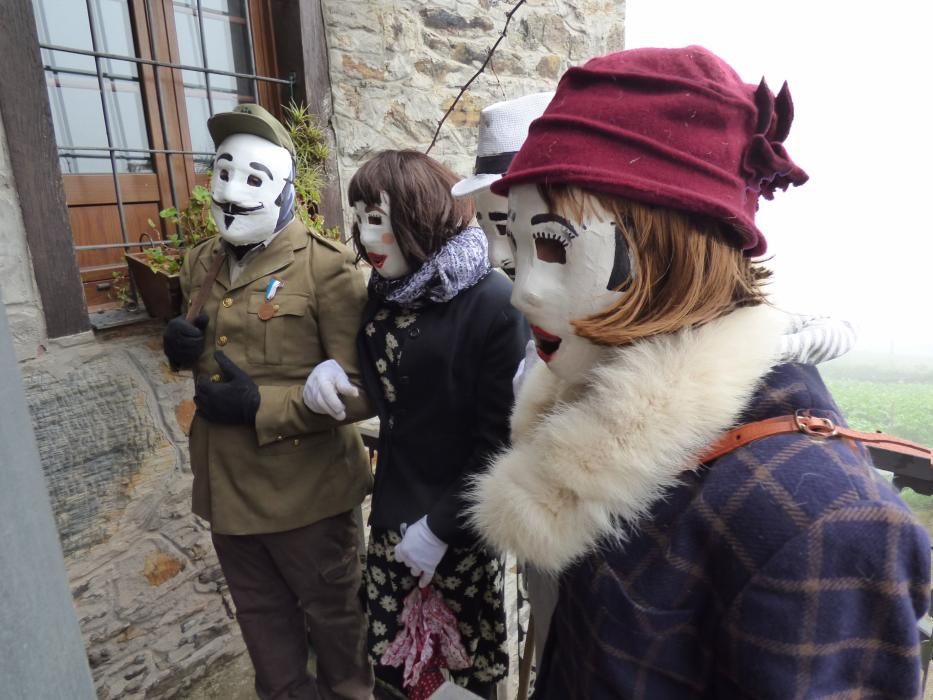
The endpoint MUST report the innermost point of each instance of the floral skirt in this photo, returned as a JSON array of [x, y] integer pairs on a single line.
[[471, 582]]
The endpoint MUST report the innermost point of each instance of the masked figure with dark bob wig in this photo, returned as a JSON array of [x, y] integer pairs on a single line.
[[689, 565], [439, 346]]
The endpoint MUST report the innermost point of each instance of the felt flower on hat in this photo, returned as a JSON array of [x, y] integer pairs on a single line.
[[765, 164]]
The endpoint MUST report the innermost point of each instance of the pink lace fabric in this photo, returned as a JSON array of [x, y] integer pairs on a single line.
[[429, 639]]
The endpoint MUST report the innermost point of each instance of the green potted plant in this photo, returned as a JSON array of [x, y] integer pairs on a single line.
[[310, 161], [155, 268]]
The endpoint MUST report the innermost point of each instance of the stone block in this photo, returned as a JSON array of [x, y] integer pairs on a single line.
[[549, 67], [27, 327], [452, 21], [466, 112], [360, 69], [469, 53]]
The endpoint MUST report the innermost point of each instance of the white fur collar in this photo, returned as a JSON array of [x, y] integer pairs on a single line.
[[585, 459]]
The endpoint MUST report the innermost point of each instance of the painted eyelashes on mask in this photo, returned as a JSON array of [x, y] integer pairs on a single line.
[[550, 245]]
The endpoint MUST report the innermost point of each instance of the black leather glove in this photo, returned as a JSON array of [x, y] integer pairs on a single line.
[[234, 401], [183, 342]]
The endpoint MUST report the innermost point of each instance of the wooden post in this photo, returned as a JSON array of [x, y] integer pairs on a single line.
[[43, 654], [301, 49], [27, 120]]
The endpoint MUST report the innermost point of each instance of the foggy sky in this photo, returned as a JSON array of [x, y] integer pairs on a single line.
[[855, 241]]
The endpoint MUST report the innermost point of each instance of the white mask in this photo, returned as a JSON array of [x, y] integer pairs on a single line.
[[492, 211], [250, 175], [380, 246], [565, 271]]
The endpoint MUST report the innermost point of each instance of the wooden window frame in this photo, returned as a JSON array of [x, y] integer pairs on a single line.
[[27, 120], [297, 48]]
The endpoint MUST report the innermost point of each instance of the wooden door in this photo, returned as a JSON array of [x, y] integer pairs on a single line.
[[150, 127]]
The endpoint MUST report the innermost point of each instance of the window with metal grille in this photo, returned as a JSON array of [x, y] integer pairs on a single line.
[[131, 85]]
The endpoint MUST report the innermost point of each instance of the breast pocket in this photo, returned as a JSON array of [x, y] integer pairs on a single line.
[[272, 337]]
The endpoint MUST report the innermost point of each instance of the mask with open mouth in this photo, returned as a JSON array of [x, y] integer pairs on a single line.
[[566, 270], [381, 248], [492, 211], [250, 189]]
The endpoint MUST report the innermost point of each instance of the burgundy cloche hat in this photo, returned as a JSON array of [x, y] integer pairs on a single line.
[[675, 128]]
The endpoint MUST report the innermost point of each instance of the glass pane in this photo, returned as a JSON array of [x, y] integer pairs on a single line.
[[64, 23], [128, 125], [228, 48], [196, 103], [197, 120], [79, 122], [74, 92], [226, 38], [115, 35]]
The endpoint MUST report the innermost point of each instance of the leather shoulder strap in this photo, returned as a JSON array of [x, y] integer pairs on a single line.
[[205, 289], [803, 422]]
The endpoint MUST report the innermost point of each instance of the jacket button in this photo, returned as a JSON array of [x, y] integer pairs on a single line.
[[228, 302], [216, 378], [414, 332], [278, 437], [275, 307], [222, 340], [297, 442]]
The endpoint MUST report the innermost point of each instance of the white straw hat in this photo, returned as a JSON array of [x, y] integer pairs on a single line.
[[503, 127]]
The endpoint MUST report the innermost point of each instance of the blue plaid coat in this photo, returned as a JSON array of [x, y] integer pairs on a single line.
[[786, 569]]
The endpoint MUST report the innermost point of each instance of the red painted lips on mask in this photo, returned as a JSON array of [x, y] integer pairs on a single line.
[[545, 343], [377, 260]]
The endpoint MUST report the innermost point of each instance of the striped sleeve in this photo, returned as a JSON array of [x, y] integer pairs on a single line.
[[816, 339]]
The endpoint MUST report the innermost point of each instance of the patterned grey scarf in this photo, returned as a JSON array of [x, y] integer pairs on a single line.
[[461, 263]]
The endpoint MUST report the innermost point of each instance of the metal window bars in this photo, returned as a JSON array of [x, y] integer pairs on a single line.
[[111, 149]]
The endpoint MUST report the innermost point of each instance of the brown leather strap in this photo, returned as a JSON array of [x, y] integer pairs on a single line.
[[803, 422], [201, 297]]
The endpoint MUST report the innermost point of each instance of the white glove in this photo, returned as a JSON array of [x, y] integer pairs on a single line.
[[323, 388], [420, 550], [525, 366]]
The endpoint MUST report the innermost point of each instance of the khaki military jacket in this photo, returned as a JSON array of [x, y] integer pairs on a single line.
[[294, 467]]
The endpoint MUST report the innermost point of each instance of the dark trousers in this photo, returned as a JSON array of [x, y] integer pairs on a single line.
[[293, 587]]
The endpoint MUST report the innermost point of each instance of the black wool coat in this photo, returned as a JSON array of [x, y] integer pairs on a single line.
[[451, 414]]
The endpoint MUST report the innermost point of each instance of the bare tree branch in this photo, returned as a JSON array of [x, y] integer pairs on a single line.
[[508, 18]]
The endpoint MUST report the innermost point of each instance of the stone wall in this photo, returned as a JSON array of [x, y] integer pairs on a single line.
[[17, 283], [397, 65], [148, 591]]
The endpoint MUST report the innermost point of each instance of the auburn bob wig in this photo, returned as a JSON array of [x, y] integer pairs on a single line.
[[686, 270], [423, 213]]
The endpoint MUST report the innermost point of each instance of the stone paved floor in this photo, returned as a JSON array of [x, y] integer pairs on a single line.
[[148, 592]]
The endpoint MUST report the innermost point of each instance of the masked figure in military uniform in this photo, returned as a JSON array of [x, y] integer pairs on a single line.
[[277, 482]]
